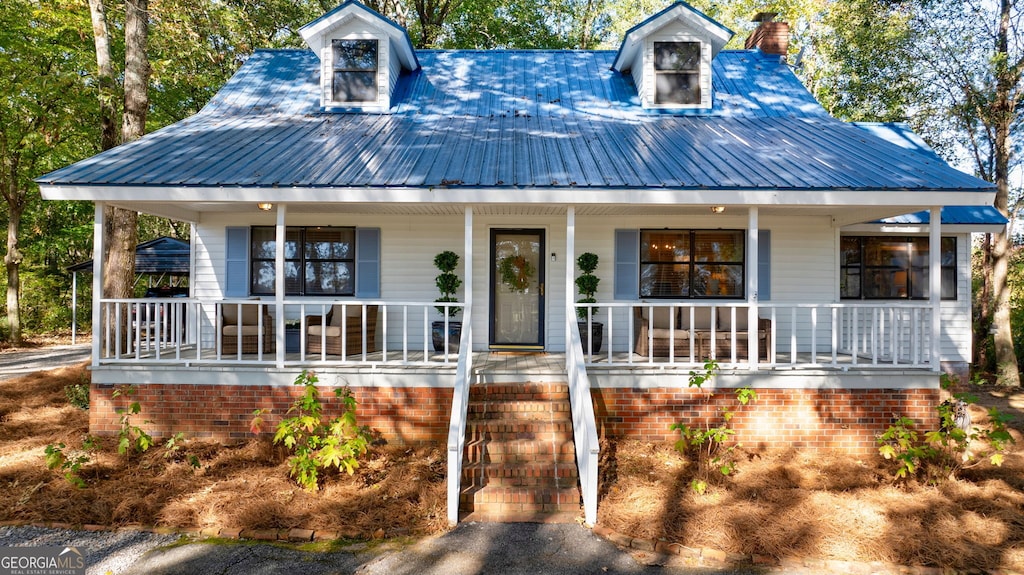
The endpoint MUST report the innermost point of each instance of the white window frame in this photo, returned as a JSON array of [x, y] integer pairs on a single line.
[[327, 72], [650, 74]]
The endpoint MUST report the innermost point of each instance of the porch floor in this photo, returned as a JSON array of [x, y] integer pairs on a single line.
[[508, 363]]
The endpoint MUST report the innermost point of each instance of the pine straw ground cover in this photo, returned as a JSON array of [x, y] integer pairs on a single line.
[[777, 504], [798, 504], [395, 491]]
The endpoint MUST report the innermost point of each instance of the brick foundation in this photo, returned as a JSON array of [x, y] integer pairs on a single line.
[[406, 415], [830, 419]]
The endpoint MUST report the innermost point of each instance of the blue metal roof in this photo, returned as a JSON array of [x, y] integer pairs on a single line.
[[518, 119], [953, 215], [163, 255], [469, 83]]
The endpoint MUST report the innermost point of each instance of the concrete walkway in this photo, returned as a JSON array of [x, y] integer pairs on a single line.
[[22, 362]]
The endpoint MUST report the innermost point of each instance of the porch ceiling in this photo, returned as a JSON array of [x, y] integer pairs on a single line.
[[843, 215]]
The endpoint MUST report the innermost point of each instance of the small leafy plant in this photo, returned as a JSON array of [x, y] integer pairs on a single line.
[[70, 462], [175, 449], [78, 394], [447, 282], [707, 444], [130, 437], [317, 444], [943, 453], [587, 282]]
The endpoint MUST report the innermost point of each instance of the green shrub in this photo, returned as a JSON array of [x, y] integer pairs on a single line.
[[707, 445], [941, 454], [317, 444], [130, 437]]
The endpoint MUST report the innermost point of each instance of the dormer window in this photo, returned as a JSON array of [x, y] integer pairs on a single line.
[[361, 56], [355, 70], [677, 73], [669, 56]]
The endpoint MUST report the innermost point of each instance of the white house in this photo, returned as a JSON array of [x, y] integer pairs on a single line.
[[725, 205]]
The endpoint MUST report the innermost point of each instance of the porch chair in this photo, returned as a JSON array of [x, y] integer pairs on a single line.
[[654, 337], [326, 334], [248, 327], [723, 336]]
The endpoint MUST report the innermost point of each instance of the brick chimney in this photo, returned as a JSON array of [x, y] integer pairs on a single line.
[[770, 36]]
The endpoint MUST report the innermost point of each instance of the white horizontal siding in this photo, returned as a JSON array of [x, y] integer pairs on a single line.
[[804, 265]]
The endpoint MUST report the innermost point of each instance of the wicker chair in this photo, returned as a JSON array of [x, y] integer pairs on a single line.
[[348, 322], [654, 337], [723, 336], [248, 328]]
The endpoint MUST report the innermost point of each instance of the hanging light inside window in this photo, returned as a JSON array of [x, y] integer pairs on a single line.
[[265, 206]]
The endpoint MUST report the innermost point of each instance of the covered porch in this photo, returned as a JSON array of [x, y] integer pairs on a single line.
[[215, 342]]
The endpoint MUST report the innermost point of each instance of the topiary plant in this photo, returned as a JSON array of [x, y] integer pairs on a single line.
[[587, 282], [447, 282]]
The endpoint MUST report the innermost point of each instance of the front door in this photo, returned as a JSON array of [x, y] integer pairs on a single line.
[[517, 289]]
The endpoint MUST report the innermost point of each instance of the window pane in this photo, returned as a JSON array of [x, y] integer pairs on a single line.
[[264, 243], [849, 251], [849, 282], [329, 278], [666, 246], [664, 280], [677, 88], [330, 243], [948, 283], [718, 281], [263, 277], [886, 283], [354, 87], [677, 56], [886, 252], [355, 54], [718, 246]]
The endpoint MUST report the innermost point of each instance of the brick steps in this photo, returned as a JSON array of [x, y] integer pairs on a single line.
[[520, 460]]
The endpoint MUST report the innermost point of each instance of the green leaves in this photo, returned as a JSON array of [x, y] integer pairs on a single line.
[[317, 444], [709, 445], [943, 452], [130, 437]]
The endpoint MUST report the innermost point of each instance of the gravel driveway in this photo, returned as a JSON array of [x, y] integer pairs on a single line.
[[470, 549]]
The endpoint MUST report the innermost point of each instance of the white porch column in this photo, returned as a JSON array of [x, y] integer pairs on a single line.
[[279, 285], [753, 344], [97, 282], [467, 260], [935, 281], [570, 296]]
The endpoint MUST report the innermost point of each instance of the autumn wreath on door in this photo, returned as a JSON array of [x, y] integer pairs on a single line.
[[516, 272]]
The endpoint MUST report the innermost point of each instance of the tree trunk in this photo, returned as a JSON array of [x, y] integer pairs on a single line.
[[12, 260], [121, 230], [136, 69], [983, 325], [104, 75], [1007, 76]]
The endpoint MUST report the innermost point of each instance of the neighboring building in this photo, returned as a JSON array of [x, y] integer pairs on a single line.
[[725, 204]]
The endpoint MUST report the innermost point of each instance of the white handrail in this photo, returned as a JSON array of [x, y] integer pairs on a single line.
[[584, 424], [184, 331], [865, 335], [457, 422]]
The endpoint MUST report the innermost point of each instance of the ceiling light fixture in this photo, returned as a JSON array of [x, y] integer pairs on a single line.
[[265, 206], [717, 209]]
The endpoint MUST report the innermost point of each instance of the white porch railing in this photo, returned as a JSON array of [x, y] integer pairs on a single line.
[[187, 331], [457, 422], [584, 424], [789, 335]]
